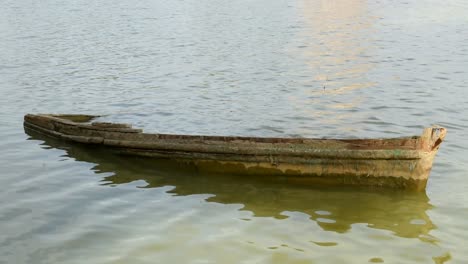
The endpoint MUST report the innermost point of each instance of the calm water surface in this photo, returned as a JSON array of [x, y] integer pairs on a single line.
[[335, 68]]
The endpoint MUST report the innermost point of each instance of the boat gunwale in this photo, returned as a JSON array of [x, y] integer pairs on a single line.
[[132, 146], [323, 148], [299, 140]]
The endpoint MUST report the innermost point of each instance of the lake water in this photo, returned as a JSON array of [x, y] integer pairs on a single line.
[[296, 68]]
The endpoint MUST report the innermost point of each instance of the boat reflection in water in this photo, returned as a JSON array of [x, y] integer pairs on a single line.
[[333, 208]]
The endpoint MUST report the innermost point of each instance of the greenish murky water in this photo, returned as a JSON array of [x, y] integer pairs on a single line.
[[262, 68]]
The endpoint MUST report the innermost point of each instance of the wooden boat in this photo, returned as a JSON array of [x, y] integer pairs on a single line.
[[397, 162]]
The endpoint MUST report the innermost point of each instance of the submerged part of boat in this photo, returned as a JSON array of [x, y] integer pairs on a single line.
[[396, 162]]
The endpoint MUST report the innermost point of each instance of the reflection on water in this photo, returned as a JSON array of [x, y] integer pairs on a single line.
[[338, 35], [337, 46], [333, 209]]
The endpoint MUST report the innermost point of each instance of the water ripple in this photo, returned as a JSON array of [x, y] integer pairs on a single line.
[[258, 68]]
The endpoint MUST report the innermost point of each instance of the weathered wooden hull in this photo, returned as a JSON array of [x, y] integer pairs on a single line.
[[398, 162]]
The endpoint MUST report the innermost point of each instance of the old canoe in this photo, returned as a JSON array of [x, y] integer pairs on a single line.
[[395, 162]]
